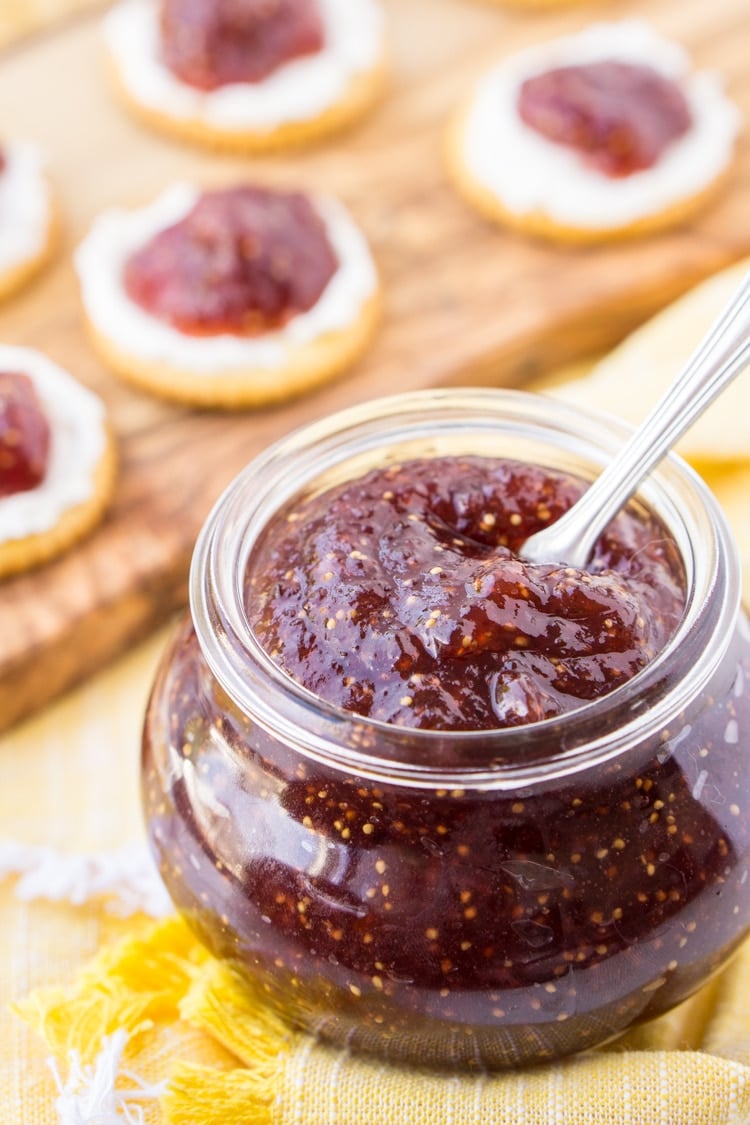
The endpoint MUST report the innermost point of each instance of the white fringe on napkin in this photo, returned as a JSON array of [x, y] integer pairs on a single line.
[[127, 878], [89, 1097]]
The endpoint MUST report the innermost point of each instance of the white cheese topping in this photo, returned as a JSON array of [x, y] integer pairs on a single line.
[[25, 205], [299, 90], [117, 234], [527, 172], [77, 443]]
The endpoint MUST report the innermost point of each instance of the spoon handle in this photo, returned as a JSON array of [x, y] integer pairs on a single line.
[[721, 356]]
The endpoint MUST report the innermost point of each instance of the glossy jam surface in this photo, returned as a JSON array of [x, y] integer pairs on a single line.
[[619, 116], [24, 435], [245, 260], [399, 596], [212, 43]]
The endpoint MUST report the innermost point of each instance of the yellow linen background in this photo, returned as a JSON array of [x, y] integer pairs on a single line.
[[69, 779]]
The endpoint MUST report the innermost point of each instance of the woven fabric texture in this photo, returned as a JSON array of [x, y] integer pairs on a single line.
[[228, 1060]]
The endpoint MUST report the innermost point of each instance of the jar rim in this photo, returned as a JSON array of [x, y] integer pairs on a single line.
[[501, 758]]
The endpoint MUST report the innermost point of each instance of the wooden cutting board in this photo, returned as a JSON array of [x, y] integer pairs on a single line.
[[465, 302]]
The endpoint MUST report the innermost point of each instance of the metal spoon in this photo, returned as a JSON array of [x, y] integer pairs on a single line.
[[721, 356]]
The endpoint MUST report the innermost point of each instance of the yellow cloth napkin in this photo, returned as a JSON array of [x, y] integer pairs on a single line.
[[230, 1061]]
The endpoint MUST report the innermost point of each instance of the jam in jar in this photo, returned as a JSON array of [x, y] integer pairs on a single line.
[[409, 580], [487, 853]]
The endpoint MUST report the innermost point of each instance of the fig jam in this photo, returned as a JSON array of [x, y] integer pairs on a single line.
[[212, 43], [619, 116], [24, 435], [400, 854], [407, 579], [245, 260]]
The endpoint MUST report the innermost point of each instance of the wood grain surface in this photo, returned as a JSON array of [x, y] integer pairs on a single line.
[[465, 303]]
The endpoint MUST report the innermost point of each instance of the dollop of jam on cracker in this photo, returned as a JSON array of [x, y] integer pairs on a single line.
[[245, 260], [620, 117], [212, 43]]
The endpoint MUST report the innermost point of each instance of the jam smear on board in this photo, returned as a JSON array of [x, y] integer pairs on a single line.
[[619, 116], [24, 435], [399, 596], [212, 43], [245, 260]]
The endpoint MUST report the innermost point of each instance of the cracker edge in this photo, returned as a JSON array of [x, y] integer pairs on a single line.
[[19, 555], [364, 91], [14, 279], [307, 366], [538, 223]]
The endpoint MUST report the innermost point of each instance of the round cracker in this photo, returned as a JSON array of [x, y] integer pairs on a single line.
[[539, 224]]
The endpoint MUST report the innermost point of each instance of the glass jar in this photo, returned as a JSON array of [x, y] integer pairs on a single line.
[[482, 898]]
